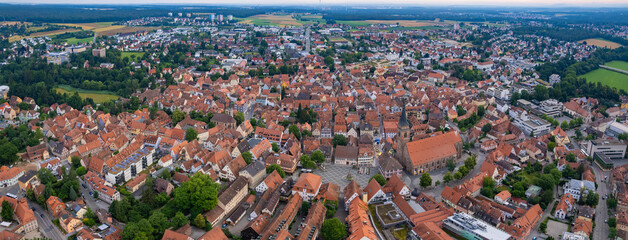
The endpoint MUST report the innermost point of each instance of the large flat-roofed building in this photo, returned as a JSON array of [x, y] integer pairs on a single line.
[[612, 148], [531, 124], [131, 166], [471, 228], [57, 57], [616, 128], [551, 107]]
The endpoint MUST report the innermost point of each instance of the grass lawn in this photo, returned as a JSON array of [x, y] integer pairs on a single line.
[[618, 64], [400, 234], [129, 54], [74, 40], [608, 77], [98, 96]]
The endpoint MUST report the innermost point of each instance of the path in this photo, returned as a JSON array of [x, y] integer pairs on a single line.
[[614, 69]]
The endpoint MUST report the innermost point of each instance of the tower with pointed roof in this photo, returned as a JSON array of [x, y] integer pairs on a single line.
[[404, 126], [403, 136]]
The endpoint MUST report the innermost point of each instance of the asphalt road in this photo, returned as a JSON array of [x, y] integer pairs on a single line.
[[44, 220], [601, 211], [89, 199]]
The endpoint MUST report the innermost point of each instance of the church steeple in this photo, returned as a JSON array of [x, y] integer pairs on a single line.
[[404, 126]]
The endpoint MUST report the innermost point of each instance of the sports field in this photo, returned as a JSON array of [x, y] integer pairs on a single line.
[[608, 77], [98, 96]]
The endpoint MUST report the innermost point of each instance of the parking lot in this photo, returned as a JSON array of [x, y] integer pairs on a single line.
[[555, 229]]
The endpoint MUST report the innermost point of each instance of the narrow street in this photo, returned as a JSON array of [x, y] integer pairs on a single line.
[[46, 227]]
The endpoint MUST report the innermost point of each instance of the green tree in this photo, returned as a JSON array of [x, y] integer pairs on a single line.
[[294, 129], [612, 222], [200, 221], [177, 116], [470, 162], [72, 195], [458, 175], [76, 161], [339, 140], [448, 177], [333, 229], [179, 220], [239, 117], [159, 222], [379, 178], [612, 233], [486, 128], [426, 180], [451, 165], [318, 157], [198, 195], [7, 211], [275, 167], [248, 157], [81, 171], [191, 134], [275, 147], [551, 146], [306, 162]]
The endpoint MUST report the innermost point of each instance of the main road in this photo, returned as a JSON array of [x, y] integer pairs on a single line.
[[601, 210]]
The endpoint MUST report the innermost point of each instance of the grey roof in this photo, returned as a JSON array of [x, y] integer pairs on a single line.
[[578, 184], [403, 120], [254, 168], [229, 194], [388, 163]]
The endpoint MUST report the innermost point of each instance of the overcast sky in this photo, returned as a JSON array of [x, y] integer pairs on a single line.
[[590, 3]]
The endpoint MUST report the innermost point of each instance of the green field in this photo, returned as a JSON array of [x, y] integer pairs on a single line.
[[355, 23], [129, 54], [74, 40], [618, 64], [608, 77], [98, 96]]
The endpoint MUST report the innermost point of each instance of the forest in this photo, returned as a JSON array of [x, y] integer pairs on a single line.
[[567, 34], [35, 78], [573, 86]]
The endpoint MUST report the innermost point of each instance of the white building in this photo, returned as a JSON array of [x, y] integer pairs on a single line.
[[131, 166], [577, 188]]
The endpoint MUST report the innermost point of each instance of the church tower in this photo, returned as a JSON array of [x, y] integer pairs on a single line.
[[404, 126], [403, 137]]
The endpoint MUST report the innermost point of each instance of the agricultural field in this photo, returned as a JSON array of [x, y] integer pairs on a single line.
[[402, 23], [601, 43], [275, 20], [101, 28], [97, 96], [41, 34], [107, 28], [608, 77]]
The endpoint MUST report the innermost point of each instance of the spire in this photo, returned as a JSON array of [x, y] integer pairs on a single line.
[[403, 120]]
